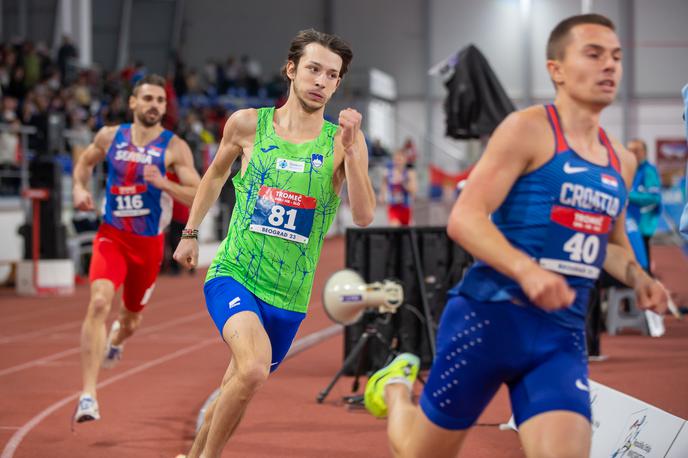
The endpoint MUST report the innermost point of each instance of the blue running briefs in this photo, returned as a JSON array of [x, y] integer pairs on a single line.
[[481, 345], [225, 297]]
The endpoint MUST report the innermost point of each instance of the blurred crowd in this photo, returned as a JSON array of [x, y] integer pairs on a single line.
[[67, 103]]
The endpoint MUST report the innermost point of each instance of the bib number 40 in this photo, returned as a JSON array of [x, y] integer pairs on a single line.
[[583, 248]]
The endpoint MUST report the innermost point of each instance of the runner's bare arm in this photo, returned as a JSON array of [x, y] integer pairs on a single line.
[[621, 262], [181, 164], [383, 190], [412, 183], [359, 187], [521, 140], [94, 153], [240, 126], [507, 156]]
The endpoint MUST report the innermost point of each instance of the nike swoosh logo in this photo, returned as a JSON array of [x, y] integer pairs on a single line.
[[582, 386], [269, 148], [234, 302], [568, 168]]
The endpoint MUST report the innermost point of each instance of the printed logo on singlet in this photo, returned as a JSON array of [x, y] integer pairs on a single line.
[[316, 160], [290, 166], [269, 148], [569, 169], [576, 195], [609, 181], [132, 156]]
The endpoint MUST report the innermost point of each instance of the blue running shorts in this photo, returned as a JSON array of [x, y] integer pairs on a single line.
[[481, 345], [225, 297]]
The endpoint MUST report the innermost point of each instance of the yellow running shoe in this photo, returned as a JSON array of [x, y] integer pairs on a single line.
[[403, 369]]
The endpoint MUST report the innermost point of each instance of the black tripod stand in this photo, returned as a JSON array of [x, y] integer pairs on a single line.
[[371, 331]]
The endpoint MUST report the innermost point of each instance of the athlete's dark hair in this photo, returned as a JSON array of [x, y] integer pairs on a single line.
[[331, 42], [559, 37], [152, 78]]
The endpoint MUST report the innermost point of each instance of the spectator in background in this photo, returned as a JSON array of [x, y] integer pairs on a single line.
[[193, 83], [254, 73], [66, 59], [115, 112], [35, 114], [210, 73], [399, 186], [9, 149], [377, 151], [9, 140], [82, 91], [16, 87], [171, 119], [645, 199], [81, 127], [232, 71], [32, 65], [191, 130], [411, 152]]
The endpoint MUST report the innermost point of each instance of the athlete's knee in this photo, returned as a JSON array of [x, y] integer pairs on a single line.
[[131, 322], [566, 448], [99, 304], [402, 449], [253, 374]]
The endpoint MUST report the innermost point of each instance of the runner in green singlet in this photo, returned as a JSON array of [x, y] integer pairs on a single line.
[[293, 165]]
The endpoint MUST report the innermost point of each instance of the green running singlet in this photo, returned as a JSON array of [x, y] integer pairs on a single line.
[[285, 204]]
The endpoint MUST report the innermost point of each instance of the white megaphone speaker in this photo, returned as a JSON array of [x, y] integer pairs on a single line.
[[347, 295]]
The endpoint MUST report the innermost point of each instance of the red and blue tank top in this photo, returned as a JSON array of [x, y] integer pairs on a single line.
[[132, 204]]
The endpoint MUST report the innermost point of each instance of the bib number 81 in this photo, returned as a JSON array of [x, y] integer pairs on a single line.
[[276, 217], [583, 248]]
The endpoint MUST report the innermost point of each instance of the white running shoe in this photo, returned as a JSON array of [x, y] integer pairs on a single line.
[[87, 409], [113, 353]]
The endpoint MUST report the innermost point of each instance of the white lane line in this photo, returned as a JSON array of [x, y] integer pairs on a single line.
[[18, 436], [40, 333], [313, 339], [41, 309], [297, 347], [71, 351]]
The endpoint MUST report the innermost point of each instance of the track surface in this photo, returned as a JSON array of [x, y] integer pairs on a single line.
[[149, 402]]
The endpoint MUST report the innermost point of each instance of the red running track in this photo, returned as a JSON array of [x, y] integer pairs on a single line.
[[149, 403]]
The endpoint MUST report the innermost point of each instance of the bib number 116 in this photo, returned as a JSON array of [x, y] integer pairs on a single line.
[[582, 248], [134, 202]]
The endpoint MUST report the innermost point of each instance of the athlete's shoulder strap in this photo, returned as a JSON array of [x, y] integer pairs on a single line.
[[613, 157], [122, 134], [560, 144]]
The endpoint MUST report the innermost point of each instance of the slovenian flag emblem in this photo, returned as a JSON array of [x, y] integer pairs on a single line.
[[610, 181]]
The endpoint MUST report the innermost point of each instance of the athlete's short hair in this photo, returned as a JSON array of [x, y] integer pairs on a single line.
[[559, 37], [152, 78], [331, 42]]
